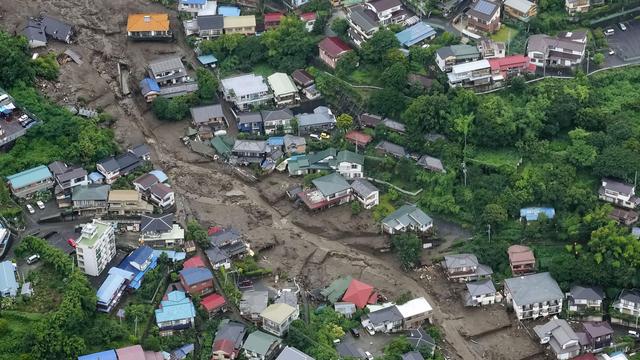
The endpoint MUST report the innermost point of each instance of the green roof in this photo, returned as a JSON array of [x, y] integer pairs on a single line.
[[223, 144], [315, 157], [88, 238], [30, 176], [259, 342], [331, 184], [462, 51], [336, 289], [350, 156]]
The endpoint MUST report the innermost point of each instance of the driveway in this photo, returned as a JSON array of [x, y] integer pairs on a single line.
[[626, 44], [374, 344], [335, 14]]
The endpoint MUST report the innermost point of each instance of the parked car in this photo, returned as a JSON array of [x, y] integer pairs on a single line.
[[354, 332], [40, 204], [325, 136], [314, 136], [368, 355], [370, 330], [612, 52], [30, 209], [72, 243], [33, 258], [623, 27], [634, 333], [609, 32]]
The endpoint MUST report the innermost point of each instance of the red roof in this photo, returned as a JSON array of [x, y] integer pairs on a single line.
[[194, 262], [358, 293], [373, 298], [513, 60], [358, 137], [308, 16], [212, 302], [224, 345], [333, 46], [213, 230], [273, 17], [587, 356]]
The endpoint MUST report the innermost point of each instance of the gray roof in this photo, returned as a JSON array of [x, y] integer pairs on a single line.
[[533, 289], [383, 5], [617, 186], [460, 260], [255, 146], [287, 297], [331, 184], [167, 64], [320, 115], [110, 164], [178, 89], [350, 350], [272, 115], [292, 140], [291, 353], [33, 32], [394, 125], [58, 167], [543, 43], [156, 223], [210, 22], [254, 302], [597, 329], [391, 148], [72, 173], [216, 255], [202, 114], [587, 292], [232, 331], [363, 18], [630, 295], [461, 51], [481, 287], [8, 283], [419, 337], [363, 187], [483, 10], [249, 118], [578, 35], [246, 84], [55, 28], [560, 333], [90, 193], [406, 215], [429, 162], [522, 6], [388, 314], [412, 355]]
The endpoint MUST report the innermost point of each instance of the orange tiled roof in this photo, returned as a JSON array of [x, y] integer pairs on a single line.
[[148, 22]]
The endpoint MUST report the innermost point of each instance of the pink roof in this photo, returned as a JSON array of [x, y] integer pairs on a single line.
[[273, 17], [359, 137], [134, 352], [212, 302], [224, 345], [153, 355], [587, 356], [213, 230], [520, 253], [358, 293], [308, 16], [194, 262], [512, 60], [333, 46]]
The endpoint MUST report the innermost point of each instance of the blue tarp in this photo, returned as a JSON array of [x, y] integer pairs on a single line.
[[96, 177], [532, 213], [228, 10], [276, 141], [103, 355], [207, 59], [414, 34], [148, 85]]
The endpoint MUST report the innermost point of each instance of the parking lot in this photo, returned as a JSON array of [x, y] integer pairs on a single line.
[[626, 44], [374, 344]]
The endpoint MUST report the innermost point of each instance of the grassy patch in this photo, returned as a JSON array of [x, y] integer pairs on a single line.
[[20, 322], [505, 34], [497, 158], [263, 69]]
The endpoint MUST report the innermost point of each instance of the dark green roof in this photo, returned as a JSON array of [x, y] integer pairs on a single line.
[[223, 144], [315, 157], [336, 289], [350, 156]]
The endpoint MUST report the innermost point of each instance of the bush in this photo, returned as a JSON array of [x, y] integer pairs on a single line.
[[174, 109], [356, 207], [47, 67]]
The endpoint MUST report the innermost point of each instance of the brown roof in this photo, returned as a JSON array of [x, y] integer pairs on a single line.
[[123, 195], [597, 328], [302, 77], [370, 120], [161, 190], [520, 253], [358, 137], [333, 46], [148, 22]]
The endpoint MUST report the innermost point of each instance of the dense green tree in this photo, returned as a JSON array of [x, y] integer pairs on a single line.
[[374, 50], [173, 109], [427, 113], [344, 122], [387, 102], [347, 64], [14, 62], [495, 123], [340, 27], [408, 248], [395, 76], [46, 66], [207, 84], [289, 46]]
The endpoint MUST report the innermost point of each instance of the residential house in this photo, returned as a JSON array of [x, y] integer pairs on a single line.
[[415, 312], [618, 193], [599, 335], [127, 202], [533, 213], [476, 75], [90, 199], [229, 10], [176, 312], [191, 6], [394, 126], [228, 340], [415, 34], [565, 50], [277, 121], [223, 145], [503, 69], [197, 281], [291, 353], [358, 138], [432, 164], [385, 319], [245, 91], [521, 260], [34, 34], [250, 151], [408, 217], [359, 294], [30, 181], [365, 192], [331, 49], [330, 190], [294, 145], [209, 115], [146, 181], [294, 4], [623, 217], [480, 293], [369, 120], [319, 161], [363, 23], [276, 318], [56, 29], [585, 299], [253, 303], [302, 78], [141, 151], [110, 292], [534, 296], [218, 258], [136, 352], [213, 304], [349, 164], [210, 26], [522, 10], [412, 355], [388, 148], [160, 231], [149, 89], [272, 20], [285, 91], [574, 7], [560, 337], [244, 24], [161, 195], [389, 12], [322, 119], [229, 240], [628, 302], [261, 346], [333, 293], [194, 262], [139, 262], [490, 49], [8, 282], [112, 168], [346, 309], [484, 16], [148, 27], [95, 247], [250, 122], [179, 89], [67, 178], [448, 56], [465, 268], [420, 339], [168, 71]]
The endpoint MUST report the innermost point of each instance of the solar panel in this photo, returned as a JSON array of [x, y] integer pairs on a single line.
[[485, 7]]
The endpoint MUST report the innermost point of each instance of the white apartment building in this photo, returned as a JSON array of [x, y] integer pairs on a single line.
[[95, 247], [534, 296]]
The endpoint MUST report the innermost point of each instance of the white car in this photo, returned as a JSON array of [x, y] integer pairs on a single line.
[[609, 32], [368, 355], [612, 52], [623, 27], [31, 209], [40, 204]]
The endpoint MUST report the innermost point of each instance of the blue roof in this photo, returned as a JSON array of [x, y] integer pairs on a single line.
[[207, 59], [96, 176], [177, 307], [532, 213], [139, 262], [415, 33], [103, 355], [196, 275], [30, 176], [112, 284], [228, 10], [193, 2], [148, 85], [182, 352], [276, 141], [160, 175], [8, 283], [173, 255]]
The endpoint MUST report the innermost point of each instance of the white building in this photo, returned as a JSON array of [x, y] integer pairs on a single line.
[[481, 292], [95, 247], [276, 318], [471, 74], [560, 337], [350, 164], [415, 312], [366, 193], [246, 90], [534, 296], [284, 90]]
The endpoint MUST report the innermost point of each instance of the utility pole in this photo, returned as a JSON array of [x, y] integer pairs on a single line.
[[489, 232], [464, 171], [588, 55]]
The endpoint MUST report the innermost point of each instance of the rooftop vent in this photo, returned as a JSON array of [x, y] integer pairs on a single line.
[[147, 18]]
